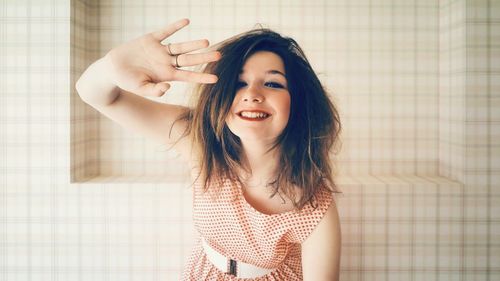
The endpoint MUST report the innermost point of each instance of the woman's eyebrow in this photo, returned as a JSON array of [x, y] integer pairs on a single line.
[[272, 71]]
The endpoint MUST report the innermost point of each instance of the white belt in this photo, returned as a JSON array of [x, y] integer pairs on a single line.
[[229, 266]]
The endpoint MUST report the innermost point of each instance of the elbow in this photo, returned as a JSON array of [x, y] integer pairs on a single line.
[[79, 87]]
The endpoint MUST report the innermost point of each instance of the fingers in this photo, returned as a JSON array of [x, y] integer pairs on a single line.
[[186, 47], [196, 77], [195, 59], [170, 29]]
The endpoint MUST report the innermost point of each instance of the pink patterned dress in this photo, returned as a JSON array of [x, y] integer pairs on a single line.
[[232, 227]]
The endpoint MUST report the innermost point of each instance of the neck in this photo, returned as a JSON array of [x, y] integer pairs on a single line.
[[262, 163]]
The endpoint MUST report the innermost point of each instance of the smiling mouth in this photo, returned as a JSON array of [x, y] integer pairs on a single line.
[[253, 116]]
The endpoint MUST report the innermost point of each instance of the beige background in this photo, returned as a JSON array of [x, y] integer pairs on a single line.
[[417, 84]]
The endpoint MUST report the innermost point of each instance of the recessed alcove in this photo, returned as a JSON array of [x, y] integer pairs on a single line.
[[398, 93]]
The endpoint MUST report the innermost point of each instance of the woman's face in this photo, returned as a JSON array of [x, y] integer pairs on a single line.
[[261, 107]]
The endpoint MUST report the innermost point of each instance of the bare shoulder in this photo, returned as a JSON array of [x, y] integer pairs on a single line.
[[328, 226], [321, 250]]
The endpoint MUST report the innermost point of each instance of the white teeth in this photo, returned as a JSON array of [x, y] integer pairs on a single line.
[[253, 114]]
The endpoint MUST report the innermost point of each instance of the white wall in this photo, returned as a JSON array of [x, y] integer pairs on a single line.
[[416, 83]]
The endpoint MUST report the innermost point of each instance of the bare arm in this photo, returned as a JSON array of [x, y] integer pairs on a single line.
[[95, 86], [132, 112], [115, 84], [321, 250]]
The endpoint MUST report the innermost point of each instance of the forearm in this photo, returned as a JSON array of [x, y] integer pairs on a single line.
[[95, 86]]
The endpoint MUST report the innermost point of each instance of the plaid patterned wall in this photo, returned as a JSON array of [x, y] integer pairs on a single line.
[[452, 73], [416, 83], [85, 132], [481, 137]]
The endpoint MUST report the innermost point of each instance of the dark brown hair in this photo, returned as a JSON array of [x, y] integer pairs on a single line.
[[305, 143]]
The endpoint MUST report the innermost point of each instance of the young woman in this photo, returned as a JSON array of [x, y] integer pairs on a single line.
[[258, 143]]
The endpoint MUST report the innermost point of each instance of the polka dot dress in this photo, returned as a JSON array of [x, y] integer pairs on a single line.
[[231, 226]]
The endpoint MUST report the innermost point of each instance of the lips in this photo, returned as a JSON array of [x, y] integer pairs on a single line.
[[253, 115]]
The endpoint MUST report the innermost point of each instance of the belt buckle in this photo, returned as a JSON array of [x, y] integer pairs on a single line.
[[232, 267]]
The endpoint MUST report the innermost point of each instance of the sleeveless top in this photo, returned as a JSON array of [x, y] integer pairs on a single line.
[[234, 228]]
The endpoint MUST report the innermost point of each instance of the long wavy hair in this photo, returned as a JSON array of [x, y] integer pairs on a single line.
[[305, 143]]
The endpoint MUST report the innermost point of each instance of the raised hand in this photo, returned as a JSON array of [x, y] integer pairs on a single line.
[[144, 65]]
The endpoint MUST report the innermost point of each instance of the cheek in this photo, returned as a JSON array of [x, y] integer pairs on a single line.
[[230, 118], [285, 108]]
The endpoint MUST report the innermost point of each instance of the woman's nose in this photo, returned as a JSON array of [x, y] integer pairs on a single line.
[[252, 95], [254, 99]]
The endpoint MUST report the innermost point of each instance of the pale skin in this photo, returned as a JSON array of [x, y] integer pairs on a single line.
[[116, 84]]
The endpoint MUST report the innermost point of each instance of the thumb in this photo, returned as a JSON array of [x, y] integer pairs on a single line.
[[161, 88], [154, 89]]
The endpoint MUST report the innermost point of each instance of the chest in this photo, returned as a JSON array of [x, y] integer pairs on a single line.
[[260, 199]]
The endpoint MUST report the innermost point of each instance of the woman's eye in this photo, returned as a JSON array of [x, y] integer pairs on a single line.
[[240, 84], [274, 85]]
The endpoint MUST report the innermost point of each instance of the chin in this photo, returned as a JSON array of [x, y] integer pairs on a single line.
[[257, 139], [254, 135], [250, 133]]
